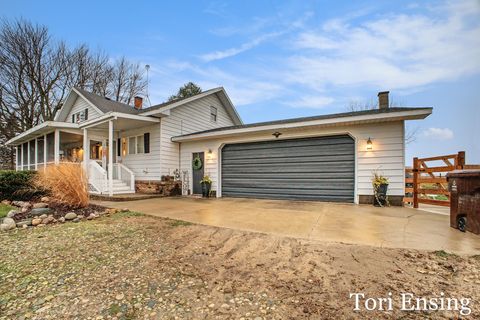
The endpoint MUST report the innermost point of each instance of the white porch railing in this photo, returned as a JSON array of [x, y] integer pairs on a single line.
[[97, 177], [121, 172]]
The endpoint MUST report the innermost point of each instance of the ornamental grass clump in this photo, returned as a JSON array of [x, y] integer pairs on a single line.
[[67, 183]]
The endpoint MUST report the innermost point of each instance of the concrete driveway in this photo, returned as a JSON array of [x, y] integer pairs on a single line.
[[356, 224]]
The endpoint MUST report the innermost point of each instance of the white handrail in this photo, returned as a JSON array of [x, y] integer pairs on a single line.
[[97, 176], [123, 173]]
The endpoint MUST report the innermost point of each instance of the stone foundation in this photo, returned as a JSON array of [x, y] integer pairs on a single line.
[[393, 200], [164, 188]]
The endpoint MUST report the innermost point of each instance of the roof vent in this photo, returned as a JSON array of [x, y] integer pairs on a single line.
[[383, 100], [138, 102]]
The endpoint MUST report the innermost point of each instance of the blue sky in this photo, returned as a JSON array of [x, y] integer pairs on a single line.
[[282, 59]]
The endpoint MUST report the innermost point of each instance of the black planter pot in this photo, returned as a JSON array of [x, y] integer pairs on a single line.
[[380, 198], [206, 189]]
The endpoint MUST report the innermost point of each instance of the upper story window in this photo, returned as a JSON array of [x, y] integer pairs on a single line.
[[80, 116], [213, 114]]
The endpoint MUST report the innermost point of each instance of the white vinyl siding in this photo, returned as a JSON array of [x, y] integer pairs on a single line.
[[188, 118], [145, 166], [387, 155], [79, 106]]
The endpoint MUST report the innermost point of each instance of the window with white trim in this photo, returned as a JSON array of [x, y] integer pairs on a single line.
[[80, 116], [139, 144], [213, 114]]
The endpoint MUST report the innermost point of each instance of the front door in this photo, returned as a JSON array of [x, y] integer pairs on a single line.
[[198, 166]]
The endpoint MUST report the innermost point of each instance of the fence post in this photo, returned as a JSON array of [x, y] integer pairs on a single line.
[[415, 182], [460, 160]]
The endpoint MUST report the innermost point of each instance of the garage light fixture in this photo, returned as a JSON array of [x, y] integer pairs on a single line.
[[369, 144], [276, 134]]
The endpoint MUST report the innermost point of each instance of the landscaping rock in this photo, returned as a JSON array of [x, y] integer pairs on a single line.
[[61, 219], [48, 220], [7, 202], [8, 224], [40, 211], [40, 205], [25, 223], [45, 199], [12, 213], [20, 204], [70, 216], [36, 222], [80, 216], [43, 216], [76, 220]]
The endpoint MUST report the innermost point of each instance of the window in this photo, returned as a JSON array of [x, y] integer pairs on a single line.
[[138, 144], [80, 116], [213, 114], [131, 145], [140, 148]]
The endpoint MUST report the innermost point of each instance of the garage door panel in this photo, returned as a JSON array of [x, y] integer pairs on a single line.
[[290, 152], [319, 168], [290, 143], [281, 160]]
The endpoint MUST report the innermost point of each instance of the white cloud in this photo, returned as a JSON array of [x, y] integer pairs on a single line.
[[438, 133], [222, 54], [314, 102], [392, 52]]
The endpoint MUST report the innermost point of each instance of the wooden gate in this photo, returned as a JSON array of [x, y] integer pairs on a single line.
[[426, 182]]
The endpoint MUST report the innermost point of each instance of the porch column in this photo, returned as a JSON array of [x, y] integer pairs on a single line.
[[44, 151], [56, 153], [36, 154], [110, 157], [86, 150], [28, 155], [21, 165]]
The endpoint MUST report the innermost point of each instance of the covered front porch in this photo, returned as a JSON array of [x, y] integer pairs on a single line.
[[97, 145]]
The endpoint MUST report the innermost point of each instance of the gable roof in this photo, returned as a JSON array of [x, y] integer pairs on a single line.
[[219, 92], [105, 104], [387, 114]]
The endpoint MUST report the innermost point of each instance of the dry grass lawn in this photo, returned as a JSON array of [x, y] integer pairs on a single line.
[[129, 266]]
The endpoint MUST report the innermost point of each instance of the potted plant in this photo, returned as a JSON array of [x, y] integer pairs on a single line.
[[206, 186], [380, 187]]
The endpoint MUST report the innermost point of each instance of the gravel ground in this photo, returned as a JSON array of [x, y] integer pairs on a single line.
[[129, 266]]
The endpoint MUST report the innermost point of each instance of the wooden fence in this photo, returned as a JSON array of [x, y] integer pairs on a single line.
[[427, 183]]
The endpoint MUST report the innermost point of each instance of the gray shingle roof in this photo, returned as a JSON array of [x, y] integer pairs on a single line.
[[106, 105], [313, 118], [166, 104]]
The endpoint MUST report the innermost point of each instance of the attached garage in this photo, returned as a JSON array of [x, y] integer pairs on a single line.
[[319, 168]]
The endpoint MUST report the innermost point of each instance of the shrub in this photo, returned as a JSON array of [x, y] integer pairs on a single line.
[[18, 185], [67, 184]]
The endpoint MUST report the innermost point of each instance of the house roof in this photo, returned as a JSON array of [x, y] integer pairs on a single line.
[[165, 105], [388, 114], [106, 105]]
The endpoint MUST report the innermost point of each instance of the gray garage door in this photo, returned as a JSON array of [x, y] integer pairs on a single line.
[[320, 168]]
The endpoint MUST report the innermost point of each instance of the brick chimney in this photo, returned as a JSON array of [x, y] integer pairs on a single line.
[[383, 102], [138, 102]]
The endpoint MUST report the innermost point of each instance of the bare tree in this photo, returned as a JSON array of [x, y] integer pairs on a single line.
[[37, 73]]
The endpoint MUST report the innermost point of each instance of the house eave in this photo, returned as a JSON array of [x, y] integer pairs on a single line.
[[40, 129], [420, 113]]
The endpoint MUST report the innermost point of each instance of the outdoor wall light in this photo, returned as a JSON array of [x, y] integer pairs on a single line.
[[276, 134], [369, 144]]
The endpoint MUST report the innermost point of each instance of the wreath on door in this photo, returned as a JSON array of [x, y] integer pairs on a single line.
[[197, 163]]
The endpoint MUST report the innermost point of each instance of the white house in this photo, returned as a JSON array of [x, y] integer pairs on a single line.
[[327, 158]]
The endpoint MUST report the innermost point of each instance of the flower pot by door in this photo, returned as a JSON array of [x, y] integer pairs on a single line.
[[206, 187]]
